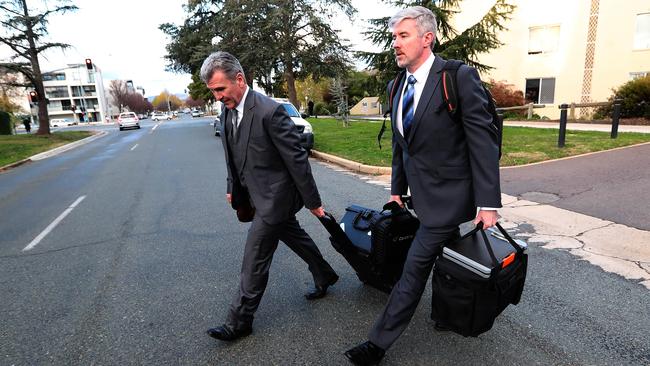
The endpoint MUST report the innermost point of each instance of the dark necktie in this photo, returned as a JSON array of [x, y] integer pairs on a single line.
[[234, 121], [407, 105]]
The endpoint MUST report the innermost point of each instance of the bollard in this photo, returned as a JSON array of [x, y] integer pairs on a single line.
[[616, 114], [530, 111], [562, 137]]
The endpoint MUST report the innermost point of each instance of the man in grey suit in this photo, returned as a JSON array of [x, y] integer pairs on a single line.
[[451, 167], [270, 171]]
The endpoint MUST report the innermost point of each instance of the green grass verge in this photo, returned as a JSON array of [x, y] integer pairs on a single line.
[[521, 145], [14, 148]]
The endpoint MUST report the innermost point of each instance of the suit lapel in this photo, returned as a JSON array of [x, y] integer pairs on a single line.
[[433, 80], [393, 113], [244, 130]]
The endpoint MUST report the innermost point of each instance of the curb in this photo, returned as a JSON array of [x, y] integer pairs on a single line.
[[64, 148], [352, 165], [55, 151]]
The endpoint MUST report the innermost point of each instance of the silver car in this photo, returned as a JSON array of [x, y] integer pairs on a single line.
[[128, 120]]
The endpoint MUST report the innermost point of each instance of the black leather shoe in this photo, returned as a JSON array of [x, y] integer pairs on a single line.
[[365, 354], [320, 291], [441, 327], [224, 333]]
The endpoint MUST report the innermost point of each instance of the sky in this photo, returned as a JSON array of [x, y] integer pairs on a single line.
[[123, 40]]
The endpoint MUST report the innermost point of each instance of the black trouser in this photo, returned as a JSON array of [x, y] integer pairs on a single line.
[[261, 243], [406, 294]]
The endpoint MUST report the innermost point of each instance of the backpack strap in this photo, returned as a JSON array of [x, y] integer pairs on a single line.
[[450, 88], [392, 85]]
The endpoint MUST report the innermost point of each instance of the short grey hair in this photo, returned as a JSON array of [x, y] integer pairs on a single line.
[[220, 61], [425, 20]]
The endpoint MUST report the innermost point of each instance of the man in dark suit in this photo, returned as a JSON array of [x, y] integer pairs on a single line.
[[451, 167], [269, 171]]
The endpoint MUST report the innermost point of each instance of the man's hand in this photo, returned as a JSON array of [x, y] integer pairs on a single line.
[[398, 199], [229, 197], [318, 212], [488, 217]]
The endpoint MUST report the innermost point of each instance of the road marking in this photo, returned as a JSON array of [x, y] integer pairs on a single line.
[[154, 127], [53, 224], [134, 146]]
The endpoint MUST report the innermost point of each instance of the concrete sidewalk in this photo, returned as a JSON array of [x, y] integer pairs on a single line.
[[611, 246]]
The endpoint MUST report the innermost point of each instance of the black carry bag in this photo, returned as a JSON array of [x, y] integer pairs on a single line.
[[476, 278], [375, 243]]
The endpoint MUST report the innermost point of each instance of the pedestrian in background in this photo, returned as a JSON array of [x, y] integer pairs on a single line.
[[269, 175], [451, 167]]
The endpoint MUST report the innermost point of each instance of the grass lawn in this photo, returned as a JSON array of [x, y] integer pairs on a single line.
[[521, 145], [18, 147]]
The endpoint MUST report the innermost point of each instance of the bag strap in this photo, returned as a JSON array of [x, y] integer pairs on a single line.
[[450, 88], [393, 87]]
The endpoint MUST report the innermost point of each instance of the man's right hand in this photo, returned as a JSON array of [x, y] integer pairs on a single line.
[[398, 199], [229, 197]]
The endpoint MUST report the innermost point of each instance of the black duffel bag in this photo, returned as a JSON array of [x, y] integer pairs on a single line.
[[476, 278]]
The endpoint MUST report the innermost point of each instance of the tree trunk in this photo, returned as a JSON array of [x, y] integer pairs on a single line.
[[43, 120], [290, 78]]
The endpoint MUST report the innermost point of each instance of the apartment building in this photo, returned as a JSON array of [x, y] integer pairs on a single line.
[[76, 87], [559, 51]]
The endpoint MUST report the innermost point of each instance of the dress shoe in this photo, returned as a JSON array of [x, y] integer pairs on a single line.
[[224, 333], [441, 327], [320, 291], [365, 354]]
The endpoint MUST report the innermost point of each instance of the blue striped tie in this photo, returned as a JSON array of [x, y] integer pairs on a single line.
[[407, 105]]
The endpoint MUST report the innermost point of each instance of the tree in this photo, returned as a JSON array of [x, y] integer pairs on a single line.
[[286, 38], [24, 34], [465, 46], [119, 92], [10, 87], [193, 103], [165, 100], [338, 89]]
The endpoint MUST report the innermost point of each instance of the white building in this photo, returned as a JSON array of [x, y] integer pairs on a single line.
[[79, 88], [559, 51]]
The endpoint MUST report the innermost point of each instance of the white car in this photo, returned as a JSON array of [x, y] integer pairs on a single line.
[[304, 128], [56, 122], [157, 116], [128, 120], [197, 113]]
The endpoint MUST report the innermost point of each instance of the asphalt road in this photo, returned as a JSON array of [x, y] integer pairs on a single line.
[[612, 185], [149, 260]]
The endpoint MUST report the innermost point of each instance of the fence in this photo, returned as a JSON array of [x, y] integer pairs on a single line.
[[529, 107], [616, 113]]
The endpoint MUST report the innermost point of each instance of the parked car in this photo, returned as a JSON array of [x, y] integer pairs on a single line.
[[128, 120], [197, 113], [58, 122], [157, 116], [142, 116], [217, 125], [304, 128]]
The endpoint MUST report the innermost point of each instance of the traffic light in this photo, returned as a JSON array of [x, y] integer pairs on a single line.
[[89, 64], [33, 95]]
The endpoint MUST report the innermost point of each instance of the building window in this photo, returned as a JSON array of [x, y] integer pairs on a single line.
[[642, 33], [543, 39], [49, 77], [365, 104], [374, 105], [638, 75], [56, 92], [540, 91]]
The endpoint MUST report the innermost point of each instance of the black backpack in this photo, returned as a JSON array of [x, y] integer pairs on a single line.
[[450, 99]]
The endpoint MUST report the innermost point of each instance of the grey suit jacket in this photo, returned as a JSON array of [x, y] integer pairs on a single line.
[[450, 167], [276, 169]]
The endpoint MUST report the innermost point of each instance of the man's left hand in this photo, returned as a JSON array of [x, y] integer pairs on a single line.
[[488, 217], [318, 212]]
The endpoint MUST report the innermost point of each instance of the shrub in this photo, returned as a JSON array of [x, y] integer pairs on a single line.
[[505, 95], [321, 109], [636, 99], [5, 123]]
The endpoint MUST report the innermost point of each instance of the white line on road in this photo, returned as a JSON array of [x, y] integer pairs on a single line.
[[134, 146], [53, 224]]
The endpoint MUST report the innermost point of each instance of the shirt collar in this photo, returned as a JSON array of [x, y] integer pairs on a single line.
[[422, 73], [240, 106]]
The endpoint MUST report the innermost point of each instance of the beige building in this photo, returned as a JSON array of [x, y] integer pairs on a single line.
[[576, 51], [368, 106]]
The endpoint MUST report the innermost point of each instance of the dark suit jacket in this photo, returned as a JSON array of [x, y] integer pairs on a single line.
[[276, 168], [450, 167]]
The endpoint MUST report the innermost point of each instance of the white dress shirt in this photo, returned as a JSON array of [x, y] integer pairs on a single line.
[[420, 75], [240, 107]]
